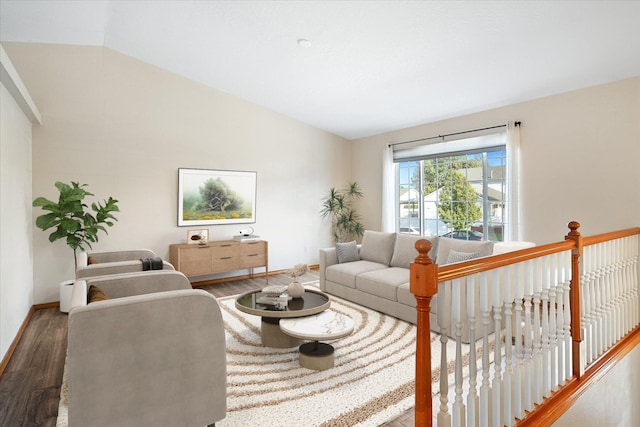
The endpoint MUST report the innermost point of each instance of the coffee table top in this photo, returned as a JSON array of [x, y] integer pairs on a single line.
[[328, 325], [312, 302]]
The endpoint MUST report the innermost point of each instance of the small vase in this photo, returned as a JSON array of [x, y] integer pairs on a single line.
[[295, 289]]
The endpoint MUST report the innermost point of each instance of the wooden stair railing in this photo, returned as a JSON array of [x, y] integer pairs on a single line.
[[425, 276]]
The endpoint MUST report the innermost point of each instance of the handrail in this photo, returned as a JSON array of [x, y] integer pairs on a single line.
[[599, 238], [479, 265], [425, 277]]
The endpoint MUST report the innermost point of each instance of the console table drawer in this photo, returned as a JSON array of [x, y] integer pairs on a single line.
[[253, 260], [253, 248], [221, 265], [219, 256], [225, 251]]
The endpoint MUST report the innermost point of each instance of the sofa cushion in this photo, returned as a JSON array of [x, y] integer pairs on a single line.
[[404, 252], [455, 256], [383, 283], [446, 244], [345, 274], [405, 296], [377, 246], [347, 252]]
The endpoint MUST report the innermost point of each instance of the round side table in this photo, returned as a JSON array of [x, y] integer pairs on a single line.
[[327, 325]]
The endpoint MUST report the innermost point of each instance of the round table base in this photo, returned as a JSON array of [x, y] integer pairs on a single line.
[[272, 336], [316, 355]]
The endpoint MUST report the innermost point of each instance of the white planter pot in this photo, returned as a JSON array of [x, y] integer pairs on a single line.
[[66, 289]]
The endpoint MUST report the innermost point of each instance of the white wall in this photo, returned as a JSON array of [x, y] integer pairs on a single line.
[[125, 127], [580, 154], [16, 254], [610, 402]]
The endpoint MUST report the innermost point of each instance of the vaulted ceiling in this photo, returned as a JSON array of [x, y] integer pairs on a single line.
[[369, 66]]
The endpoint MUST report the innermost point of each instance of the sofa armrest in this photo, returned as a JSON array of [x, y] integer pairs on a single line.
[[147, 355], [116, 267], [129, 284], [78, 294], [82, 257], [328, 257]]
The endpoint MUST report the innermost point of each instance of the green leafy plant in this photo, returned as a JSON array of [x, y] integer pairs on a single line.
[[71, 217], [345, 222]]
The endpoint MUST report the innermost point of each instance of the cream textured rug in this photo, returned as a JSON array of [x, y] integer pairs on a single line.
[[372, 381]]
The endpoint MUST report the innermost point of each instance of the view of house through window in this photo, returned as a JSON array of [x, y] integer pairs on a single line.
[[460, 196]]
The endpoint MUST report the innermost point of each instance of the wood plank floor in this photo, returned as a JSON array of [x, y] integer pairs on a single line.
[[30, 385]]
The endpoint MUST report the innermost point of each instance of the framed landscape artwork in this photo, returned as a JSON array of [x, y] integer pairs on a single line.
[[212, 197]]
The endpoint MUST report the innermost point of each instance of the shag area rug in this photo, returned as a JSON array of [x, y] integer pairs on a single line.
[[371, 383]]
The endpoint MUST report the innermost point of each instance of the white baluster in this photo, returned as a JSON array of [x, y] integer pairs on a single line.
[[485, 388], [553, 331], [553, 339], [457, 307], [537, 338], [444, 322], [560, 326], [518, 381], [607, 299], [472, 397], [497, 384], [544, 338], [528, 356], [507, 293]]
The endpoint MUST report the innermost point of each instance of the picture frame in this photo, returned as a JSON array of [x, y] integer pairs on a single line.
[[215, 197], [200, 237]]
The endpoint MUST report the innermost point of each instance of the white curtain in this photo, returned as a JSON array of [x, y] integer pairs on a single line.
[[388, 190], [513, 230]]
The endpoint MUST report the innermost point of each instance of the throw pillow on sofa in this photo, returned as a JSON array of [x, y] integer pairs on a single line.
[[347, 252], [455, 256], [446, 245], [377, 246], [405, 252]]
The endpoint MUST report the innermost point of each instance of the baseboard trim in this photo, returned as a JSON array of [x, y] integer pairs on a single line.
[[16, 340], [559, 402]]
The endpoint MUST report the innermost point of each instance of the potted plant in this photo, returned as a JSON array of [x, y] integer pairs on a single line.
[[73, 221], [345, 222]]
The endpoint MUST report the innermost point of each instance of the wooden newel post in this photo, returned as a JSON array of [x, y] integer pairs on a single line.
[[578, 350], [423, 285]]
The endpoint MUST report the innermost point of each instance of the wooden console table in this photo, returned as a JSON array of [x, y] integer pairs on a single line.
[[219, 256]]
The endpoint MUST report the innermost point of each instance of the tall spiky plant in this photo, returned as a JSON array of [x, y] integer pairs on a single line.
[[345, 221], [71, 217]]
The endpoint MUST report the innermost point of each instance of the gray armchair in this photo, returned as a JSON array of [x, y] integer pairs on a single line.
[[145, 359], [113, 262]]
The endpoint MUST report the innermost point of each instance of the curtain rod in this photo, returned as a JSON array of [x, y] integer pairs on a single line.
[[451, 134]]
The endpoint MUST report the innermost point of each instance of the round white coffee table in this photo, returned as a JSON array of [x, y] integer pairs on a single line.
[[327, 325]]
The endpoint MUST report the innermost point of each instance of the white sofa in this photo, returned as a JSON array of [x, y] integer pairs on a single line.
[[376, 273]]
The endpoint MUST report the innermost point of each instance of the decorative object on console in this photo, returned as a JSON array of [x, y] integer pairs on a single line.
[[345, 222], [211, 197], [246, 235], [295, 288], [200, 237]]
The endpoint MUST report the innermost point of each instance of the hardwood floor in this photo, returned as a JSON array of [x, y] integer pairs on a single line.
[[30, 384]]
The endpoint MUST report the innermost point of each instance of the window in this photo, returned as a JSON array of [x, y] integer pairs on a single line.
[[455, 193], [460, 196]]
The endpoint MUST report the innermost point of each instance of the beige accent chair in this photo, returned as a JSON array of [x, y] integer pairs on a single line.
[[153, 354], [113, 262]]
